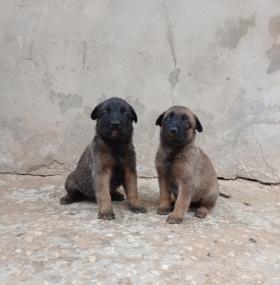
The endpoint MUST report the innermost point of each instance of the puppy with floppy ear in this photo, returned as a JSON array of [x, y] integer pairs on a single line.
[[108, 162], [184, 171]]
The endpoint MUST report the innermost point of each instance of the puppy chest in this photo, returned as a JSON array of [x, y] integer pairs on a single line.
[[181, 174], [117, 174], [177, 171]]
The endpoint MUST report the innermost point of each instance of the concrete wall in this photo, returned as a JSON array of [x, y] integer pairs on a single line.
[[221, 58]]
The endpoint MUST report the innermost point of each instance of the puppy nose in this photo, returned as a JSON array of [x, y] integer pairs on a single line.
[[173, 131], [115, 124]]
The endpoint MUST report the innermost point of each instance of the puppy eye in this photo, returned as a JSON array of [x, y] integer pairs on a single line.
[[125, 114], [167, 119], [105, 113], [186, 123]]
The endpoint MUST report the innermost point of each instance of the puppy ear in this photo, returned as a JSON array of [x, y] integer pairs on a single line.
[[198, 125], [159, 120], [94, 113], [133, 113]]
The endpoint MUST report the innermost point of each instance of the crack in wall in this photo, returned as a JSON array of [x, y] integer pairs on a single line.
[[174, 77], [29, 174], [227, 179], [169, 36], [84, 55], [174, 74], [145, 177], [248, 179]]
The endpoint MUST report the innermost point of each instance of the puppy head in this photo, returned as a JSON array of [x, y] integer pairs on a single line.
[[178, 126], [114, 119]]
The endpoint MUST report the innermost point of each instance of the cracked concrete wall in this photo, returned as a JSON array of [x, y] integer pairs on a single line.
[[58, 59]]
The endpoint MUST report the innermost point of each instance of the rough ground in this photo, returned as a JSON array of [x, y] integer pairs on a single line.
[[43, 242]]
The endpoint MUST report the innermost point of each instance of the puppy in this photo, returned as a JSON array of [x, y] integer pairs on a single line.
[[108, 162], [183, 169]]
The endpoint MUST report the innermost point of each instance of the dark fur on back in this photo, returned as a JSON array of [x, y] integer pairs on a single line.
[[108, 162]]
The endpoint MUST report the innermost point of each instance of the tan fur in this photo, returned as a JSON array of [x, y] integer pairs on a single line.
[[187, 173]]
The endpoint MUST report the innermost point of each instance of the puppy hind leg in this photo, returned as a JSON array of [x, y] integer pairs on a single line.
[[73, 194], [202, 212], [206, 204]]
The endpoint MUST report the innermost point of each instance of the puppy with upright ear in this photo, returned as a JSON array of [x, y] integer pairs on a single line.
[[108, 162], [184, 171]]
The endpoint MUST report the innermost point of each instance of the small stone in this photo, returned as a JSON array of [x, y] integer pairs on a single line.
[[198, 245], [56, 254], [18, 250], [252, 240], [92, 258], [29, 239], [155, 272], [209, 254], [165, 266], [20, 234], [38, 233], [188, 248]]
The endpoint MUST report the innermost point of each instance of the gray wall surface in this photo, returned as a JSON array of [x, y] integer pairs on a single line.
[[221, 58]]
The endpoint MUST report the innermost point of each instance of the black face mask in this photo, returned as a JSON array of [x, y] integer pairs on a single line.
[[114, 120]]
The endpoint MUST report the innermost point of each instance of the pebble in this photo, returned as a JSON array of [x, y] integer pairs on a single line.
[[165, 266], [18, 250], [29, 238], [188, 248], [92, 258]]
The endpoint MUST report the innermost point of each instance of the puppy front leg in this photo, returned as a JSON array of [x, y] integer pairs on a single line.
[[165, 197], [130, 187], [181, 206], [102, 190]]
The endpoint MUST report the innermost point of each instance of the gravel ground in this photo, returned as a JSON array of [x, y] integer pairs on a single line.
[[43, 242]]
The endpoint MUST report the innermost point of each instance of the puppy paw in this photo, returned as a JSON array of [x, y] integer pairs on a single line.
[[201, 212], [163, 211], [117, 196], [137, 209], [106, 215], [65, 200], [173, 219]]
